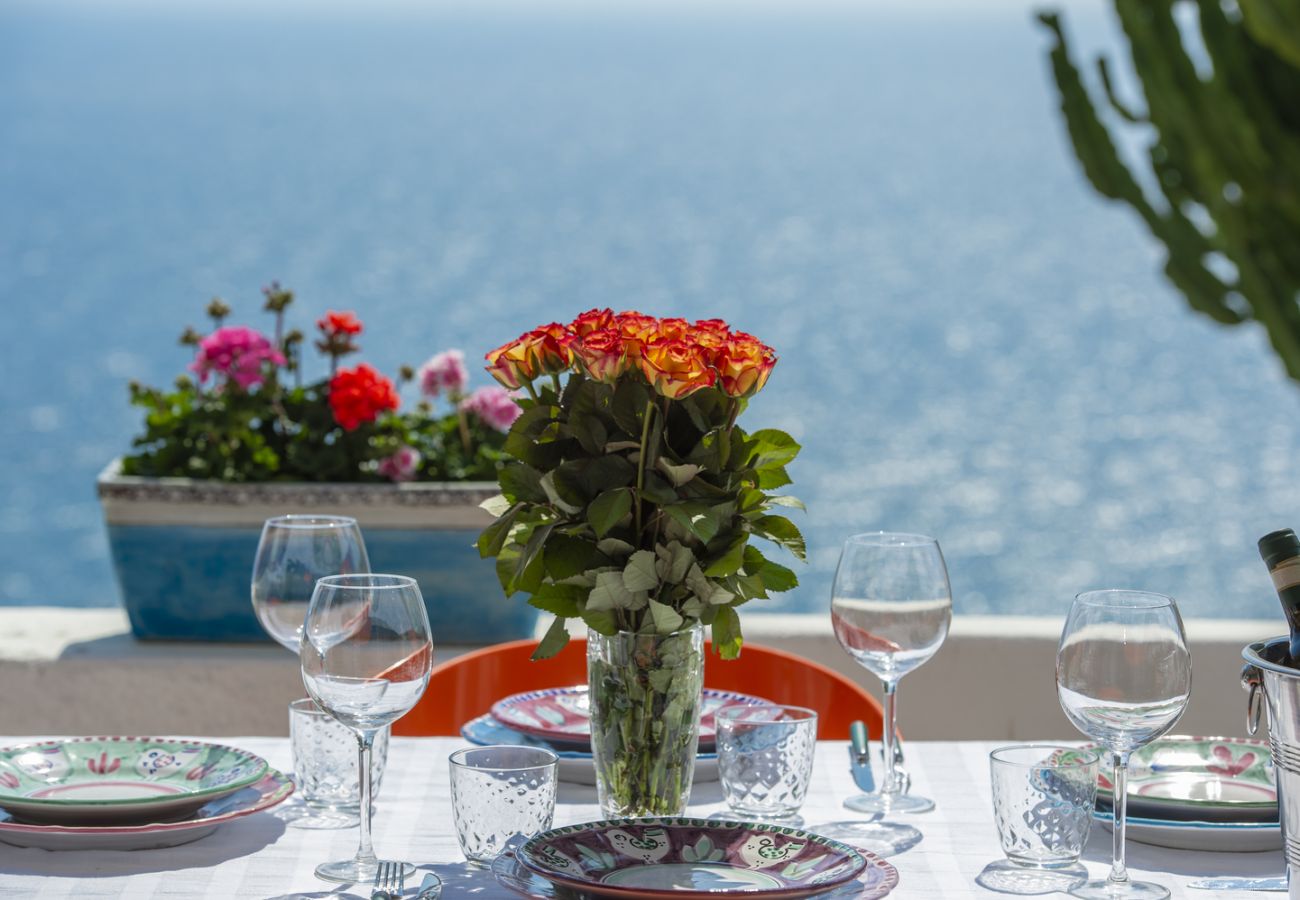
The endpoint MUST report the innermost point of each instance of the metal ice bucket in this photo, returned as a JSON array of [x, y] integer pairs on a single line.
[[1280, 685]]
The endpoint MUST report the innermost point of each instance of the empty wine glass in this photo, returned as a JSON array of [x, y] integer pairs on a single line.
[[294, 551], [366, 654], [1123, 675], [890, 606]]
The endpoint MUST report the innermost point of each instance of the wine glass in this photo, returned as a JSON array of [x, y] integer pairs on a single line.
[[890, 606], [1123, 675], [292, 553], [366, 654]]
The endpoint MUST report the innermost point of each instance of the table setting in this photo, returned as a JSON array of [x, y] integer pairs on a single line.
[[643, 782]]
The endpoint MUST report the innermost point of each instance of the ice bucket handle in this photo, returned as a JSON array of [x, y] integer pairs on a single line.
[[1252, 681]]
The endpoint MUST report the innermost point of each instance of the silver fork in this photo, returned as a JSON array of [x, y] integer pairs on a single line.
[[390, 880]]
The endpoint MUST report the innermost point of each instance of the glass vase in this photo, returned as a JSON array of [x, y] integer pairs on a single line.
[[645, 692]]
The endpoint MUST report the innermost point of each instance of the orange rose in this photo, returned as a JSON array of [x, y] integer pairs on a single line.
[[672, 330], [637, 329], [603, 354], [676, 368], [592, 320], [710, 333], [508, 364], [548, 349], [744, 364]]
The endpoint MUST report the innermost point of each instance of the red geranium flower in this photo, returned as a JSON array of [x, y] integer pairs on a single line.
[[339, 323], [359, 395]]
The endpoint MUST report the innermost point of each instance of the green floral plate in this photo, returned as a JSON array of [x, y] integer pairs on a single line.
[[1197, 779], [119, 780]]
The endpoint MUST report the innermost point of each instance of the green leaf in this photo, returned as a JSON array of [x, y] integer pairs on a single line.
[[657, 490], [556, 637], [589, 431], [781, 531], [614, 548], [600, 621], [673, 562], [496, 506], [774, 577], [793, 502], [700, 519], [678, 475], [505, 566], [561, 599], [608, 472], [640, 574], [608, 510], [730, 560], [726, 633], [611, 593], [771, 479], [772, 449], [494, 536], [531, 567], [561, 493], [665, 618], [709, 591], [567, 555], [628, 406], [521, 482]]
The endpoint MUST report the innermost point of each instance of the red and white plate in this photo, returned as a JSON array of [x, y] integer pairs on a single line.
[[562, 716]]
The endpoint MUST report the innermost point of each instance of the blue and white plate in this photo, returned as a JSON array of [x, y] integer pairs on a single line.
[[576, 766], [1233, 837]]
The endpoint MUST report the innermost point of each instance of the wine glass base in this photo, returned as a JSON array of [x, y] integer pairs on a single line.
[[1120, 890], [886, 804], [1007, 877], [349, 871], [880, 838]]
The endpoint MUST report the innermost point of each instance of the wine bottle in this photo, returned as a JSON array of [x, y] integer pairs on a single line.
[[1281, 553]]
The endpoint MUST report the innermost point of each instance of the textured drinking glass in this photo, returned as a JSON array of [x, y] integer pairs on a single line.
[[765, 757], [325, 759], [498, 793], [890, 607], [1042, 802], [1123, 676], [293, 552], [366, 654]]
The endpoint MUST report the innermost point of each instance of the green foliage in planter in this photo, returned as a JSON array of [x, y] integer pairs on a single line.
[[258, 421]]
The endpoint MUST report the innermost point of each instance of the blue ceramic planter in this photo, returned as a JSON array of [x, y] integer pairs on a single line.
[[183, 553]]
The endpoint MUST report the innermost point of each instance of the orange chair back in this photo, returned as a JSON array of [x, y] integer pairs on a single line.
[[465, 687]]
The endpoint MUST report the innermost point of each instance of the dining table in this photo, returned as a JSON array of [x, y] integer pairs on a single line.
[[266, 856]]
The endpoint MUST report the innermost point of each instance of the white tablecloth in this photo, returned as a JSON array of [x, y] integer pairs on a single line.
[[260, 857]]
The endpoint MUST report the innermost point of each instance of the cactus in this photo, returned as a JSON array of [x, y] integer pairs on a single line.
[[1223, 189]]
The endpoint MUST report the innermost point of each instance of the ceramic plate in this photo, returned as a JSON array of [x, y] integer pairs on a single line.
[[273, 788], [562, 716], [1237, 837], [876, 881], [576, 766], [119, 780], [1198, 779], [690, 858]]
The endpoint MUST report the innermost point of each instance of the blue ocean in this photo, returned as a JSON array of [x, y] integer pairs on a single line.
[[972, 343]]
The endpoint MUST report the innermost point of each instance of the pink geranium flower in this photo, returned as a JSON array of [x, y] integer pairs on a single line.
[[237, 352], [444, 372], [403, 465], [494, 405]]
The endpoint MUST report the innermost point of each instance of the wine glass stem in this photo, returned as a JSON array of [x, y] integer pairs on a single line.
[[1119, 781], [365, 743], [890, 785]]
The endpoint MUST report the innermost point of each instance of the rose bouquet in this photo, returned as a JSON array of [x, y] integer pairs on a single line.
[[247, 414], [629, 501]]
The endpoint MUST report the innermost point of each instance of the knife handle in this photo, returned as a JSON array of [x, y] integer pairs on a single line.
[[858, 739]]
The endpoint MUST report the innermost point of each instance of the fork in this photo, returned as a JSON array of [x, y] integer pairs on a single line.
[[390, 881]]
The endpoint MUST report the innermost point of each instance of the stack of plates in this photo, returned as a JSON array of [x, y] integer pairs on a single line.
[[690, 859], [560, 720], [128, 793], [1199, 793]]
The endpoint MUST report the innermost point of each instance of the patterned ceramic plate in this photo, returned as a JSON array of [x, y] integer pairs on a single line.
[[119, 780], [690, 858], [274, 788], [876, 881], [562, 716], [1198, 779], [1237, 837], [576, 766]]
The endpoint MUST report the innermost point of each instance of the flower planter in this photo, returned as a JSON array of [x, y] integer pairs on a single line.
[[183, 552]]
